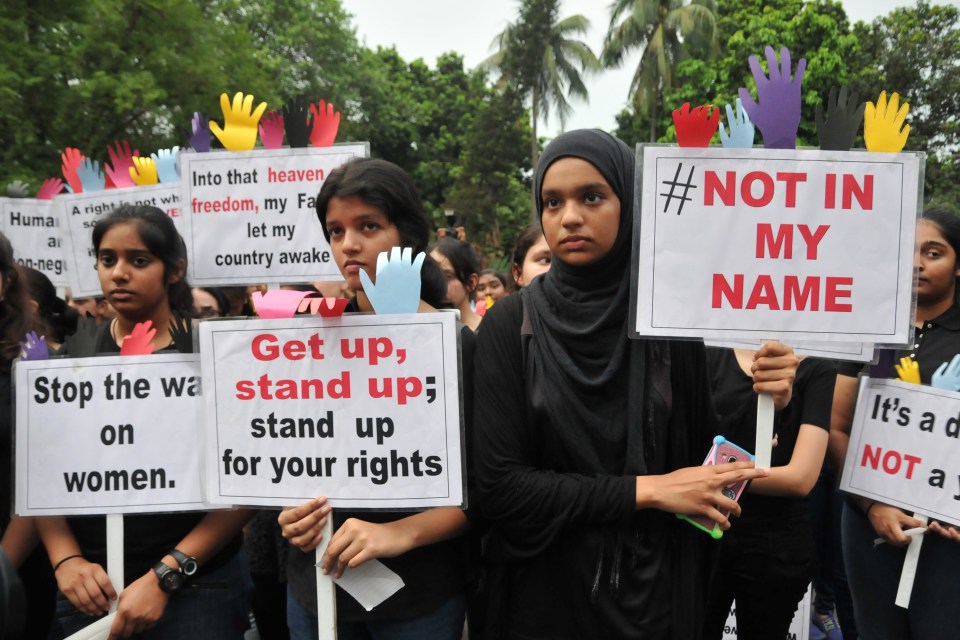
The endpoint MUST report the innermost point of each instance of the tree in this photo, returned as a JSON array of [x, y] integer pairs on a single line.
[[669, 32], [540, 54]]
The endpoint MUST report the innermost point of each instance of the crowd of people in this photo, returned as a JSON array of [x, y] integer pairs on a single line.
[[582, 447]]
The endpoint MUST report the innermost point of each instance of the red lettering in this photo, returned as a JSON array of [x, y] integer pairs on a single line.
[[746, 189], [722, 289], [791, 178], [265, 353], [725, 190], [815, 238], [763, 293], [795, 297], [830, 192], [783, 241], [871, 456], [834, 293], [852, 189], [911, 461]]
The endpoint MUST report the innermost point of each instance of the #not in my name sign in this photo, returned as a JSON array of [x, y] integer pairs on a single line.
[[363, 409]]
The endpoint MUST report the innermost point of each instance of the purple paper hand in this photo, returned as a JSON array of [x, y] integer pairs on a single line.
[[121, 160], [200, 138], [34, 347], [778, 113], [271, 130], [50, 188], [138, 343]]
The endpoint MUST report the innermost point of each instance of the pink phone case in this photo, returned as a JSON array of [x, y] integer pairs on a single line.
[[721, 452]]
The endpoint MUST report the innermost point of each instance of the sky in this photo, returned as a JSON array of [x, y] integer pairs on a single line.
[[427, 28]]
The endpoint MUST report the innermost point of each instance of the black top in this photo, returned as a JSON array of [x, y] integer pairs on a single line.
[[569, 556], [736, 404], [6, 445], [146, 537], [432, 574]]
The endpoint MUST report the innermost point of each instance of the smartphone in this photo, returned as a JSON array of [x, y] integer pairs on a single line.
[[721, 452]]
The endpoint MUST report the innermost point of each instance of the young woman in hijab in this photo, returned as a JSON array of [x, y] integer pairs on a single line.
[[588, 442]]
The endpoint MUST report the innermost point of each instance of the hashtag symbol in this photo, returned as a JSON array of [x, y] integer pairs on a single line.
[[674, 184]]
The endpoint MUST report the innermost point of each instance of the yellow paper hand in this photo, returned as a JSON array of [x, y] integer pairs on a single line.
[[883, 124], [240, 120], [143, 171], [908, 370]]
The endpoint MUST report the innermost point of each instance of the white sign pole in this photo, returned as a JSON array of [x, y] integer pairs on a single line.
[[765, 411], [115, 554], [326, 589], [909, 571]]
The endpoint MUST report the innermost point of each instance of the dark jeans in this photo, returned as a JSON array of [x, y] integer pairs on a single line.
[[767, 571], [213, 606], [874, 574]]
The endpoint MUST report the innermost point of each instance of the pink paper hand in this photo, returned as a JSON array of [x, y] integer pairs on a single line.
[[271, 130], [121, 161], [50, 188], [277, 303], [326, 123], [326, 307], [139, 342]]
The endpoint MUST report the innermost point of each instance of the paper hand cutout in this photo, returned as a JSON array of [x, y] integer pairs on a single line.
[[138, 343], [908, 370], [90, 175], [200, 136], [695, 128], [83, 343], [166, 163], [144, 171], [398, 282], [71, 160], [883, 124], [121, 159], [777, 109], [239, 132], [326, 122], [181, 330], [741, 129], [18, 189], [277, 303], [296, 115], [947, 376], [844, 117], [325, 307], [50, 188], [35, 348], [481, 307], [271, 130]]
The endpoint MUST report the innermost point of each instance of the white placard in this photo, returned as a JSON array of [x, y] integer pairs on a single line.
[[108, 435], [35, 231], [776, 244], [251, 216], [363, 409], [799, 626], [905, 448], [852, 351], [82, 210]]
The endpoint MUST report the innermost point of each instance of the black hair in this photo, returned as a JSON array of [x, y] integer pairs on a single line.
[[59, 320], [161, 238], [385, 186], [949, 225], [15, 317], [462, 258], [221, 299], [527, 238], [433, 285], [499, 276]]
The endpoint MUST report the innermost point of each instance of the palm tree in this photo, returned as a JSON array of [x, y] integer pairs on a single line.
[[668, 31], [541, 55]]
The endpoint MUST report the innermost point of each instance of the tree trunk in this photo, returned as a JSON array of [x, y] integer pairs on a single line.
[[534, 151], [654, 114]]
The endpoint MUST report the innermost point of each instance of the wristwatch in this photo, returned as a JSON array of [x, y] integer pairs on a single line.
[[170, 579], [188, 564]]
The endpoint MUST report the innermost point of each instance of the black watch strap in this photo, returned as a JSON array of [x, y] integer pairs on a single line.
[[170, 579], [188, 564]]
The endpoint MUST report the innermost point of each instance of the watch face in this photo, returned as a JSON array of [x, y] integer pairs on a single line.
[[171, 581], [188, 566]]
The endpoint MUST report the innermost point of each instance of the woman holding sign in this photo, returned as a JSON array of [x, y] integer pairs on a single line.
[[141, 261], [589, 442], [874, 570], [367, 207]]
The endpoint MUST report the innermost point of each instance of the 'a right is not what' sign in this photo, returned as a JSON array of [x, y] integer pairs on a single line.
[[767, 243]]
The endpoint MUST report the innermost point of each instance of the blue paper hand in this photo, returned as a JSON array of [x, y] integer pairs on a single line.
[[398, 282], [200, 138], [947, 376], [90, 176], [166, 161], [34, 347], [778, 113], [741, 129]]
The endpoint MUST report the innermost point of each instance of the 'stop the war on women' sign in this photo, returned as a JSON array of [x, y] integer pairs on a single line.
[[768, 243]]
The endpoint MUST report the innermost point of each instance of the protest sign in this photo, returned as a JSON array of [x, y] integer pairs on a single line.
[[108, 435], [776, 244], [363, 409], [904, 448], [852, 351], [79, 212], [34, 229], [799, 626], [251, 214]]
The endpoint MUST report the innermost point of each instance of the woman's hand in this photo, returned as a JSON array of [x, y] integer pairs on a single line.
[[303, 525], [357, 541], [697, 490], [140, 607], [949, 531], [890, 522], [86, 586], [774, 369]]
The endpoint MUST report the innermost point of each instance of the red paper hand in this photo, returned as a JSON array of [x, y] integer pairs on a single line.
[[139, 342], [72, 159], [50, 188], [326, 122], [695, 128], [326, 307], [120, 162]]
